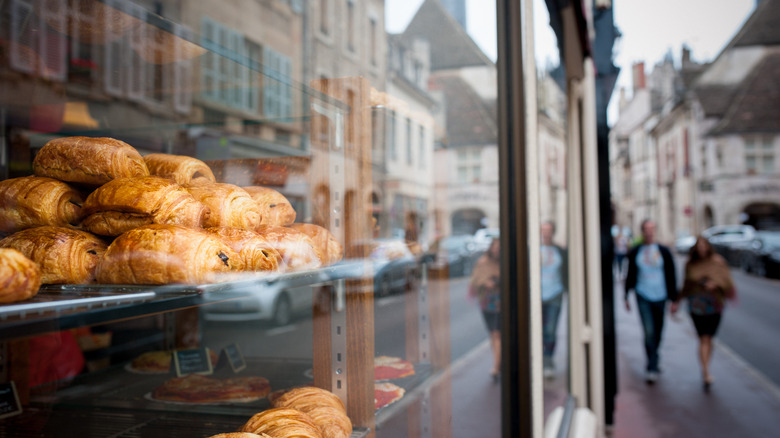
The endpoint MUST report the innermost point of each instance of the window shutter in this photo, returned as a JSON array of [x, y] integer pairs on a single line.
[[210, 59], [53, 47], [182, 72], [114, 71], [22, 37], [136, 78], [286, 90]]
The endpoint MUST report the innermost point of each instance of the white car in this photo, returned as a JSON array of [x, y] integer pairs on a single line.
[[483, 237]]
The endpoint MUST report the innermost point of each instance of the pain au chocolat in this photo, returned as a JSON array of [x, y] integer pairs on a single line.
[[126, 203], [230, 205], [33, 201], [20, 277], [298, 249], [275, 209], [257, 253], [324, 240], [64, 255], [325, 409], [88, 160], [163, 254], [180, 168]]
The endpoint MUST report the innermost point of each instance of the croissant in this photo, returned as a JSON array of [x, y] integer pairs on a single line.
[[33, 201], [230, 205], [179, 168], [240, 435], [162, 254], [324, 241], [256, 253], [87, 160], [275, 209], [297, 249], [65, 255], [20, 277], [307, 398], [282, 423], [127, 203], [332, 422]]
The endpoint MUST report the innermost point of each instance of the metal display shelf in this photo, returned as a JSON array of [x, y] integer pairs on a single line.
[[62, 307]]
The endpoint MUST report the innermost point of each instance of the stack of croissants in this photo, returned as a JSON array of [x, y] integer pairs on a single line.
[[154, 219], [306, 412]]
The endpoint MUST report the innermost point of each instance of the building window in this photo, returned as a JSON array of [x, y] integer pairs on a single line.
[[759, 155], [223, 77], [372, 40], [422, 147], [324, 11], [277, 94], [351, 25], [391, 135], [469, 166], [409, 141]]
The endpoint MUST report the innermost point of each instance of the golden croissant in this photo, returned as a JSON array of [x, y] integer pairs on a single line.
[[306, 398], [256, 253], [33, 201], [240, 435], [127, 203], [180, 168], [20, 277], [162, 254], [282, 422], [230, 205], [332, 422], [88, 160], [324, 240], [65, 255], [298, 250], [275, 209]]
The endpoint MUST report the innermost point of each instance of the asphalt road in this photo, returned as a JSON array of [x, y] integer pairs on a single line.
[[750, 327]]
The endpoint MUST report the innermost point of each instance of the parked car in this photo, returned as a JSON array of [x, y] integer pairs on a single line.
[[458, 253], [483, 237], [390, 262], [762, 256], [729, 240], [277, 300]]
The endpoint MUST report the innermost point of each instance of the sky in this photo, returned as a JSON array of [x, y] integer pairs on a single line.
[[650, 29]]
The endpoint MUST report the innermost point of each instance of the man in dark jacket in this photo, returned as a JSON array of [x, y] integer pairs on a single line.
[[651, 275]]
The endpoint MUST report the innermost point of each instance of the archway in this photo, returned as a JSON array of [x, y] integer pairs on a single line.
[[763, 215], [467, 221], [709, 217]]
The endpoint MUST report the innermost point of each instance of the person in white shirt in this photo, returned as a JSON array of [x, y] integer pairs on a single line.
[[554, 283]]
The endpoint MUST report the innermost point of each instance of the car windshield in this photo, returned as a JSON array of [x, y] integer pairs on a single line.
[[771, 240]]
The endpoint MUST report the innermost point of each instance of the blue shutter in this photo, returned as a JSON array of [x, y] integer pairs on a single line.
[[182, 72], [22, 37], [53, 44]]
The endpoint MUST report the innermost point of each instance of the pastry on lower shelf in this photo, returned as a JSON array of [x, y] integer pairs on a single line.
[[33, 201], [324, 240], [240, 435], [275, 209], [127, 203], [195, 388], [64, 255], [20, 277], [332, 422], [297, 249], [256, 252], [230, 205], [389, 367], [180, 168], [88, 160], [386, 393], [282, 423], [163, 254], [159, 361]]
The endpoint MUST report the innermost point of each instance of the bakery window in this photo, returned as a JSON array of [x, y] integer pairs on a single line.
[[201, 233]]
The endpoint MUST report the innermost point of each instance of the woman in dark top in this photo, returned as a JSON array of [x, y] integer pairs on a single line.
[[707, 285]]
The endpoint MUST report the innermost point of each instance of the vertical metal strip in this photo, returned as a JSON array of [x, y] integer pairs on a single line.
[[424, 322], [425, 414], [338, 342]]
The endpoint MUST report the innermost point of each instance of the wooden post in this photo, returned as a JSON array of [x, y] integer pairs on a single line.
[[341, 175]]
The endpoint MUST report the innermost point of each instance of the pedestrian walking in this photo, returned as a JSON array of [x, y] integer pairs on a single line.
[[651, 274], [707, 286], [485, 287], [554, 283], [621, 250]]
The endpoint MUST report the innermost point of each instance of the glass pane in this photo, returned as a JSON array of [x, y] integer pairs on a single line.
[[276, 196], [554, 217]]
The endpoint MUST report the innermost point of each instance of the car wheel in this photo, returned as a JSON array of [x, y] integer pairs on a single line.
[[384, 287], [282, 310], [745, 265], [759, 268]]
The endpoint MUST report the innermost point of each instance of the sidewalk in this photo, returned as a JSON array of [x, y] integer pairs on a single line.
[[741, 401]]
